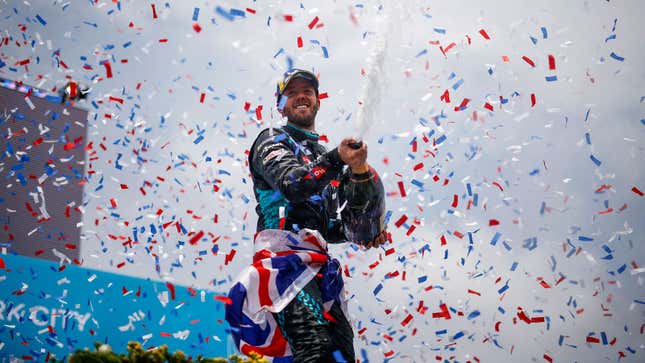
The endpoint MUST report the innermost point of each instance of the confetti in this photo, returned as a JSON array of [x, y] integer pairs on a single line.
[[480, 186]]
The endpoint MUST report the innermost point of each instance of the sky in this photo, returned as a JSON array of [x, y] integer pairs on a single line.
[[507, 135]]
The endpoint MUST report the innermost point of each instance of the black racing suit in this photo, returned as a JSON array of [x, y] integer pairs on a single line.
[[295, 182]]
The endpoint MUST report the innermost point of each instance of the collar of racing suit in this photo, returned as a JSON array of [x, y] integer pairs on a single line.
[[299, 134]]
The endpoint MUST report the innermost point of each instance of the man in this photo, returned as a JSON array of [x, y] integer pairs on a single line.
[[306, 197]]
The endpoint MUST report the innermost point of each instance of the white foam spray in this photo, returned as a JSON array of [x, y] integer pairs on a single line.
[[371, 95]]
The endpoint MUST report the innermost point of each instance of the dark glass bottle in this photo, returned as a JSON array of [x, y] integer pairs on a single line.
[[364, 212]]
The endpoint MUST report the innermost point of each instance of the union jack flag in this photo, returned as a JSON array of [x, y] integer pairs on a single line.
[[284, 262]]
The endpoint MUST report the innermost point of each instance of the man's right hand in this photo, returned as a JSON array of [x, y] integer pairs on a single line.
[[355, 158]]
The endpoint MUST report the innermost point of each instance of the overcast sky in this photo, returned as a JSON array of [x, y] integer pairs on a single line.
[[530, 165]]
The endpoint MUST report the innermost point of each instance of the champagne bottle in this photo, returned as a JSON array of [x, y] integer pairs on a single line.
[[364, 212]]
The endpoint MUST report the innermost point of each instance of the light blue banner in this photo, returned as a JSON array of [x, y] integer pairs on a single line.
[[46, 309]]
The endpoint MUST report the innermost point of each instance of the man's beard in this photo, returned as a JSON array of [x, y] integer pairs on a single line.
[[301, 121]]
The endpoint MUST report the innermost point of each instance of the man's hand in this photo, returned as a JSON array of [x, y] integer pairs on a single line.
[[355, 158], [380, 239]]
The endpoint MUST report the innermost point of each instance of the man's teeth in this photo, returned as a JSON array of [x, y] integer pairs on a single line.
[[302, 106]]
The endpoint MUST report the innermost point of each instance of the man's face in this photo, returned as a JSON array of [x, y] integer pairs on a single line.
[[302, 103]]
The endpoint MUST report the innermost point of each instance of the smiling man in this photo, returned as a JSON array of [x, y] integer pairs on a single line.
[[290, 304]]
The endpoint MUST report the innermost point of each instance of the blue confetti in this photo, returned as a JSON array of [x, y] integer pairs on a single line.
[[495, 238], [545, 34], [238, 12], [195, 14], [225, 14], [41, 20], [338, 356], [595, 160], [457, 84], [616, 57], [551, 78], [378, 288]]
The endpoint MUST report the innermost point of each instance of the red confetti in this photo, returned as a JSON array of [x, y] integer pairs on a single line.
[[196, 237], [418, 166], [462, 105], [488, 106], [250, 10], [528, 60], [229, 257], [197, 28], [493, 222], [450, 46], [637, 191], [401, 220], [547, 358], [410, 230], [407, 320], [551, 62], [544, 283], [444, 313], [2, 264], [224, 299], [288, 17], [171, 287], [323, 95], [299, 42], [455, 200], [154, 11], [116, 99], [402, 189], [113, 202], [474, 292], [313, 23], [201, 97], [108, 69], [445, 97], [484, 34]]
